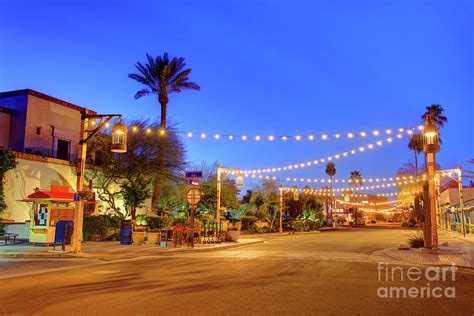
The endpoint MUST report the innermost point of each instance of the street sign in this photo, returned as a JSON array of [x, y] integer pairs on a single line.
[[239, 179], [193, 174], [77, 198], [193, 196]]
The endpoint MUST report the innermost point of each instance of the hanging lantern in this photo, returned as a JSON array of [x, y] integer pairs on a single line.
[[119, 137], [430, 137], [239, 179]]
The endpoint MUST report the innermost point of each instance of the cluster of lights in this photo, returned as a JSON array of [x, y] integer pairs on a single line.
[[328, 192], [367, 204], [322, 160]]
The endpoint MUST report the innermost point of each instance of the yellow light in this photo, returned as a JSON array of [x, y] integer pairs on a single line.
[[337, 135], [203, 135], [284, 138], [370, 146], [162, 132], [298, 137], [363, 134], [379, 143], [190, 134], [231, 137], [336, 156], [134, 128], [409, 132], [148, 131], [324, 136], [92, 122], [400, 130], [389, 140], [311, 137], [344, 154], [420, 127], [271, 138], [353, 151], [217, 136], [376, 133], [257, 138], [389, 131], [350, 135], [361, 148], [399, 136], [244, 137], [107, 125]]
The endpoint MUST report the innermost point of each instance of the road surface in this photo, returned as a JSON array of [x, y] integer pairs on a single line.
[[328, 273]]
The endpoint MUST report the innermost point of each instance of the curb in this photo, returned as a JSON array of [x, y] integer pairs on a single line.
[[109, 258]]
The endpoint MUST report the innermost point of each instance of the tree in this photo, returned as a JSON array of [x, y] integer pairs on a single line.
[[134, 193], [357, 181], [162, 76], [435, 111], [7, 162], [265, 198], [331, 171], [416, 144], [108, 170]]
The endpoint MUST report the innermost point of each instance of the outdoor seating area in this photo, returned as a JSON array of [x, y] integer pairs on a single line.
[[8, 238]]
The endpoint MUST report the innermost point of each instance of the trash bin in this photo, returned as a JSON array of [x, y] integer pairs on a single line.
[[126, 233], [164, 238]]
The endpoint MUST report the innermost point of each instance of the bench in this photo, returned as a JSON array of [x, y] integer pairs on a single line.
[[7, 236]]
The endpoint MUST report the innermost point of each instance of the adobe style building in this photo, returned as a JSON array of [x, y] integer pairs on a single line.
[[44, 134]]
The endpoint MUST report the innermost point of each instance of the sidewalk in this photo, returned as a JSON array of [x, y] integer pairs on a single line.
[[452, 249], [113, 250]]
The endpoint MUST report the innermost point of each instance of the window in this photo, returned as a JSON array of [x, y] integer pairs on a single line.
[[63, 149], [41, 214]]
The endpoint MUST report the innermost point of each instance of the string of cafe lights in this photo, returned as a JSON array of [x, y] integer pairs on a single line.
[[368, 204], [327, 192], [322, 160], [404, 180], [271, 138]]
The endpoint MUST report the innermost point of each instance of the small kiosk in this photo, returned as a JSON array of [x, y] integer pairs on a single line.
[[52, 215]]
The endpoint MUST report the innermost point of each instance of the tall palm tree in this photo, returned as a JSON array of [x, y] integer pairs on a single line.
[[356, 181], [416, 144], [162, 76], [331, 171]]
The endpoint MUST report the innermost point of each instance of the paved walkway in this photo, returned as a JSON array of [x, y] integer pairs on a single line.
[[112, 250]]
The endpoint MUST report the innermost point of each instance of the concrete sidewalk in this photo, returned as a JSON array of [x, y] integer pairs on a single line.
[[452, 249], [113, 250]]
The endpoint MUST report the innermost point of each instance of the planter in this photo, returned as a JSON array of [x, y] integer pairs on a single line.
[[153, 238], [138, 238], [232, 235]]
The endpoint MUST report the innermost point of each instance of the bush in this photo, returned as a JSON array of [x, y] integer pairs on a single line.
[[180, 220], [410, 223], [248, 221], [373, 221], [96, 226], [155, 223], [416, 241]]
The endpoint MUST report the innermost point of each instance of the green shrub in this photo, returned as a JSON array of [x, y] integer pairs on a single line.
[[416, 241], [248, 222], [180, 220], [155, 223], [96, 226]]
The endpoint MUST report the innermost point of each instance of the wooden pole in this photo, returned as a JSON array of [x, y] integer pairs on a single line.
[[280, 204]]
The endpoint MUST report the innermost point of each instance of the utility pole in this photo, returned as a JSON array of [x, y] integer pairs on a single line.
[[280, 205], [432, 200], [218, 207], [119, 145], [461, 200]]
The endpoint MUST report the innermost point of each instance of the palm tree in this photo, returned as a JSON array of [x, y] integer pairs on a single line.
[[416, 144], [331, 171], [356, 181], [162, 76]]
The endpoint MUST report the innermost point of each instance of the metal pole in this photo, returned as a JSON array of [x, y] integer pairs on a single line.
[[218, 206], [280, 205], [191, 228], [461, 200], [80, 168], [432, 205]]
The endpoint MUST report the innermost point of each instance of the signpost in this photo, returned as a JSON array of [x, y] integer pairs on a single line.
[[193, 196]]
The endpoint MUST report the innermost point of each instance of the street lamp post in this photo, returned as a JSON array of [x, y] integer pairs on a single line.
[[280, 206], [430, 147], [119, 145]]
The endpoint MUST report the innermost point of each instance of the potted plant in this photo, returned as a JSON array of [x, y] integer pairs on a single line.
[[155, 224], [233, 233]]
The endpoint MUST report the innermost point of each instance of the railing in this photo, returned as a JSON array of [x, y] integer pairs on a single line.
[[49, 153]]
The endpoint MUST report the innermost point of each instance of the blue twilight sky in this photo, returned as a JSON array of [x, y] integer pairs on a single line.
[[265, 67]]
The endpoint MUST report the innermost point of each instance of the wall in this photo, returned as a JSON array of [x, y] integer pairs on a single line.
[[17, 105], [56, 121], [4, 130], [38, 172], [34, 172]]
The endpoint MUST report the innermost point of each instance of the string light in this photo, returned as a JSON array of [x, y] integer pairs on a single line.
[[297, 137]]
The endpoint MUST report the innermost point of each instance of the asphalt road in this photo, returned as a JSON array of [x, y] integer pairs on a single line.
[[328, 273]]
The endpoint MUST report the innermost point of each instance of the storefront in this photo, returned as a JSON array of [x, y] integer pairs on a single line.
[[52, 213]]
